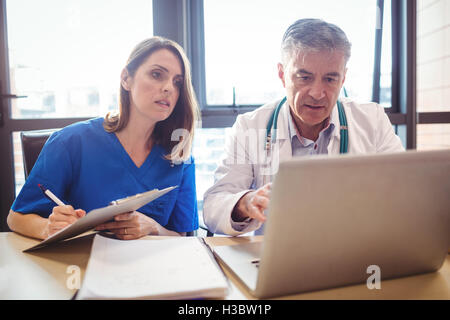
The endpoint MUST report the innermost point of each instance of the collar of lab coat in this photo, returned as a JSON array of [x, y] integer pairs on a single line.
[[283, 139], [283, 122]]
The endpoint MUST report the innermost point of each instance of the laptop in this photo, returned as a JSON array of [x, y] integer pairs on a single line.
[[331, 218]]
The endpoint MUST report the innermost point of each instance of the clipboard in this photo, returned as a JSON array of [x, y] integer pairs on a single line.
[[98, 216]]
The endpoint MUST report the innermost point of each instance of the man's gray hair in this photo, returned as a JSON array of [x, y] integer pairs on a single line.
[[315, 35]]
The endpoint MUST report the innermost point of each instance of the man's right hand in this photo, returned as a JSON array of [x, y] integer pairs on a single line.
[[61, 217], [252, 205]]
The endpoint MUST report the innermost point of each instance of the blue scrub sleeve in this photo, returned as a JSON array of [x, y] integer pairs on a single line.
[[53, 169], [184, 217]]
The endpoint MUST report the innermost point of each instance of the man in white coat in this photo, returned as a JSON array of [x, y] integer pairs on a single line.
[[314, 55]]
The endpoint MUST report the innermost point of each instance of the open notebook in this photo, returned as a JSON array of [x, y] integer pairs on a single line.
[[175, 268]]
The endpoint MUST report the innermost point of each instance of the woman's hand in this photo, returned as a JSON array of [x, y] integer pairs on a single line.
[[61, 217], [132, 225]]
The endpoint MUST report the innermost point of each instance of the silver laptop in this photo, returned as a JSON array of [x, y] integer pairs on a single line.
[[330, 218]]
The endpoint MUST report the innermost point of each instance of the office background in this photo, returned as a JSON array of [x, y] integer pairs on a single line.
[[60, 63]]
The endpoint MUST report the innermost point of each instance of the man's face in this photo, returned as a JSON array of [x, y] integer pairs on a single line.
[[313, 81]]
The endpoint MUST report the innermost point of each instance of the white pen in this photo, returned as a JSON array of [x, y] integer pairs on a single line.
[[51, 196]]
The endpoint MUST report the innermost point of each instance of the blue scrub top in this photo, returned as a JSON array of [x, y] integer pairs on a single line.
[[87, 167]]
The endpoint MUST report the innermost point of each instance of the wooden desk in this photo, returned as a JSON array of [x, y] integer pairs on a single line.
[[42, 274]]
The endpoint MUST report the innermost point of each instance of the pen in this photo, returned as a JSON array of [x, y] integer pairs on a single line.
[[51, 196]]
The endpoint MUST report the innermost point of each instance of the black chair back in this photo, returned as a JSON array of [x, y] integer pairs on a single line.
[[32, 143]]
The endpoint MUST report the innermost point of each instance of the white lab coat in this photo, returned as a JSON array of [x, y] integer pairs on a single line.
[[242, 169]]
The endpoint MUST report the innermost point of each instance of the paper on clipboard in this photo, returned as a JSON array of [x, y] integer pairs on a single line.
[[97, 216]]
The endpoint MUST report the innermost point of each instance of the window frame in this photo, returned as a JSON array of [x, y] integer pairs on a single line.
[[225, 115], [183, 21], [8, 125], [402, 113]]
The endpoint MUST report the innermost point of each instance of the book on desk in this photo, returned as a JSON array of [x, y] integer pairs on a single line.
[[175, 268]]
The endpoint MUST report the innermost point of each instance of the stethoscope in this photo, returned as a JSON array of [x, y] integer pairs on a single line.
[[272, 127]]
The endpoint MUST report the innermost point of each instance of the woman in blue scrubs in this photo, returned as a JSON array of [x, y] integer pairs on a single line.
[[146, 145]]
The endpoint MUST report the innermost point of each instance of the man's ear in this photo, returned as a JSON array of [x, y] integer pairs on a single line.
[[125, 79], [281, 74], [345, 73]]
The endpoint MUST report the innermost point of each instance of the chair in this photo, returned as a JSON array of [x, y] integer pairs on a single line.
[[32, 143], [208, 232]]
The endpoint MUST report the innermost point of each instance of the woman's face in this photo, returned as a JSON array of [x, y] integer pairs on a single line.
[[155, 87]]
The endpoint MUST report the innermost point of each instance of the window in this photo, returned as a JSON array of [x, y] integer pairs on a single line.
[[433, 56], [433, 80], [207, 151], [66, 56], [242, 40], [433, 136]]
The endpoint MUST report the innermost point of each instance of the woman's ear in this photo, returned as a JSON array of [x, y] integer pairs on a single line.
[[125, 79]]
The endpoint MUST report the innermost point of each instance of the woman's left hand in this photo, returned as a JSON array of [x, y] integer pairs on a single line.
[[131, 225]]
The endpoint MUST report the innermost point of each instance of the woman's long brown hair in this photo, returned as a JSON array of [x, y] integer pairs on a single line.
[[178, 143]]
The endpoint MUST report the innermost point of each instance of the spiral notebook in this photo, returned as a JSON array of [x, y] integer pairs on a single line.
[[174, 268]]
